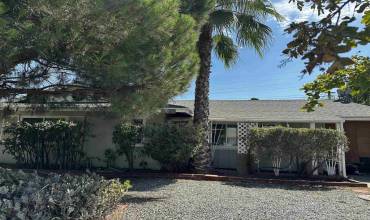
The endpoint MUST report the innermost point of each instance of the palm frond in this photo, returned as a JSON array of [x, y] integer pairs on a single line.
[[252, 33], [260, 8], [244, 21], [221, 19], [225, 49]]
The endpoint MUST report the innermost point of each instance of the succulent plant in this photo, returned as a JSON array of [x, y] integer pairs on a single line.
[[30, 196]]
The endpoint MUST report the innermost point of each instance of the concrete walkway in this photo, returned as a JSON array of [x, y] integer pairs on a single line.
[[365, 178]]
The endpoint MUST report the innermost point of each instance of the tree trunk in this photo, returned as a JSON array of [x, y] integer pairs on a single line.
[[202, 160]]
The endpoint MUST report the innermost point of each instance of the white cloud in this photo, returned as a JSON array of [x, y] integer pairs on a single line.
[[292, 14]]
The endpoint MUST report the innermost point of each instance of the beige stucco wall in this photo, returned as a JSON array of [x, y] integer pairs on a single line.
[[100, 139]]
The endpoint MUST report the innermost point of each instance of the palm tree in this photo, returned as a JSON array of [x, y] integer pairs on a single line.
[[231, 24]]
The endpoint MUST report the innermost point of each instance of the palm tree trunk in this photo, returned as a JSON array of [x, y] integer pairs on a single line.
[[202, 160]]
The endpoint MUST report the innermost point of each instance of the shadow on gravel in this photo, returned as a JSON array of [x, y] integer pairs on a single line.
[[279, 186], [150, 184], [128, 199], [362, 178]]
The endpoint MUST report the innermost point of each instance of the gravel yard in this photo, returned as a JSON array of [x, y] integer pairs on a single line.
[[188, 199]]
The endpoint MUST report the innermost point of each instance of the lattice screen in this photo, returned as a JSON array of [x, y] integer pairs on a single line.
[[243, 129]]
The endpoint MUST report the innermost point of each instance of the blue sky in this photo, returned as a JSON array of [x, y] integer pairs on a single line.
[[262, 78]]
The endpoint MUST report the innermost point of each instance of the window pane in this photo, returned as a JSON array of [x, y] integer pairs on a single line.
[[54, 119], [319, 125], [231, 135], [32, 120], [299, 125], [271, 124], [36, 120], [325, 125], [218, 134], [330, 126]]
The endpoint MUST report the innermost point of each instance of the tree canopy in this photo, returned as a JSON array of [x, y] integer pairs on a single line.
[[353, 84], [327, 41], [134, 54], [324, 44]]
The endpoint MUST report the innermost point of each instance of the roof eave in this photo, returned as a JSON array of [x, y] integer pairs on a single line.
[[356, 118], [255, 120]]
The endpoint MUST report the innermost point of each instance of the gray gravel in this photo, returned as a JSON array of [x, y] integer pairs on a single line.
[[187, 199]]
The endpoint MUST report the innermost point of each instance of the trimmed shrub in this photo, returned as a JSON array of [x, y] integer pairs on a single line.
[[110, 156], [300, 146], [125, 137], [170, 144], [32, 197], [46, 144]]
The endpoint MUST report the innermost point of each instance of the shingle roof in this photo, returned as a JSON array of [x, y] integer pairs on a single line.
[[281, 110]]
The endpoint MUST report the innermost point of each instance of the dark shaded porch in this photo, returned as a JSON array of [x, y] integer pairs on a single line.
[[358, 133]]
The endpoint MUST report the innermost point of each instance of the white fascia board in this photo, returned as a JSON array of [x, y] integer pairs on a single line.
[[278, 120], [356, 118]]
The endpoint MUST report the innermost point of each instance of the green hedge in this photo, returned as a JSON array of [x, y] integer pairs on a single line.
[[31, 197], [46, 144], [299, 146]]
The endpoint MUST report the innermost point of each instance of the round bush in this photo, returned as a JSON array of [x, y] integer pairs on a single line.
[[172, 145]]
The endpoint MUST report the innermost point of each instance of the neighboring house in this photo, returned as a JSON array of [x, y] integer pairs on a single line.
[[229, 120]]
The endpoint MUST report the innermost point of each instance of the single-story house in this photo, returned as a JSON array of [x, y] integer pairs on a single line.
[[228, 118]]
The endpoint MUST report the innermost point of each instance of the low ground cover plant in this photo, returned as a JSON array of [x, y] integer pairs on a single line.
[[32, 197], [300, 146]]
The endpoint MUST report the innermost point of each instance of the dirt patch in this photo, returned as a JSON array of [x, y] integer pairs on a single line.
[[118, 213], [361, 190]]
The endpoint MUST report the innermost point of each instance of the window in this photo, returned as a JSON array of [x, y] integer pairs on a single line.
[[325, 125], [224, 134], [33, 120], [299, 125], [218, 134], [271, 124]]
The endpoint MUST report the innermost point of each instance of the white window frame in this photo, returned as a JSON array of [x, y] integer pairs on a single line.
[[224, 125], [21, 118], [45, 117]]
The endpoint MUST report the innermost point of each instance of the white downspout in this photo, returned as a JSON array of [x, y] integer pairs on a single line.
[[211, 142]]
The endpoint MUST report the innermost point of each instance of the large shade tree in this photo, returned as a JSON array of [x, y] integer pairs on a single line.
[[325, 44], [134, 54], [231, 24], [352, 84]]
